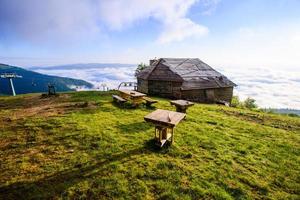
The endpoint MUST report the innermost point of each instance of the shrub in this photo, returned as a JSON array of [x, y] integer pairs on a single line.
[[250, 103], [235, 102]]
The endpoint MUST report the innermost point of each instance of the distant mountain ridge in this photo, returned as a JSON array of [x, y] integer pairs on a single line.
[[80, 66], [285, 111], [33, 82]]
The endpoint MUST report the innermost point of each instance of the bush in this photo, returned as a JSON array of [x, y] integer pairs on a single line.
[[235, 102], [293, 115], [250, 103]]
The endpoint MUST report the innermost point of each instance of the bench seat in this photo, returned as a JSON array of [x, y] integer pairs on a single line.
[[118, 99], [149, 101]]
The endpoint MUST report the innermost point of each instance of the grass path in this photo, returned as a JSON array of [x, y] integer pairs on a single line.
[[81, 146]]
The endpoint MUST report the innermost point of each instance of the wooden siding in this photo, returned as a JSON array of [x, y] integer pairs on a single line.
[[163, 73], [142, 86], [160, 88], [171, 89], [224, 94], [194, 95], [208, 95]]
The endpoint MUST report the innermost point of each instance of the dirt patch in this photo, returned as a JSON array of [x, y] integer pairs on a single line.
[[263, 120], [4, 143], [245, 116], [32, 101], [49, 108]]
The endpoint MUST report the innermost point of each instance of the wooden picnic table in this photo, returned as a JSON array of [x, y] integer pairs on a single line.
[[134, 96], [181, 105], [164, 122]]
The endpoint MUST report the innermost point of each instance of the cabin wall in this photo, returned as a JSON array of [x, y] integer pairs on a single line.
[[142, 86], [224, 94], [172, 89], [160, 88], [194, 95], [168, 89], [208, 95]]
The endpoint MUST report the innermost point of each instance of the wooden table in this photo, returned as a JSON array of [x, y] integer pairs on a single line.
[[164, 122], [181, 105], [134, 96]]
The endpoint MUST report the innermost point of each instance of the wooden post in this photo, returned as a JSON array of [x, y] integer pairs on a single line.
[[172, 132], [160, 134]]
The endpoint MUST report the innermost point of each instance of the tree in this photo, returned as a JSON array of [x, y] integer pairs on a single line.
[[250, 103], [139, 68]]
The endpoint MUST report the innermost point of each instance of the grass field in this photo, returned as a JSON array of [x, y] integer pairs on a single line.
[[81, 146]]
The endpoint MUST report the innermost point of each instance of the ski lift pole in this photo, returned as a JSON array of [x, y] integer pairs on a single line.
[[10, 77], [12, 87]]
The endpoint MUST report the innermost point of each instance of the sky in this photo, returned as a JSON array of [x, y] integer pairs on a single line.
[[254, 42]]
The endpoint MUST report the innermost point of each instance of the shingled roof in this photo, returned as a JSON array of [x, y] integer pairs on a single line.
[[194, 73]]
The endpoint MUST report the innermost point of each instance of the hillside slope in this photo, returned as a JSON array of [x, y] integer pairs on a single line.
[[80, 145], [33, 82]]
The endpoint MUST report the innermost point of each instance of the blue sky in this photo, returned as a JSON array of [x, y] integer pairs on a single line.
[[221, 32]]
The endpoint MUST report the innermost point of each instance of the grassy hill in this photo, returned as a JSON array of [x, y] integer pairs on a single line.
[[35, 82], [81, 146]]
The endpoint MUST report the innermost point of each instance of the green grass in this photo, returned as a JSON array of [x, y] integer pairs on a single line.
[[81, 146]]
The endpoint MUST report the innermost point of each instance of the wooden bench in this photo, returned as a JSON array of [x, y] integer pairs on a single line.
[[149, 101], [118, 99]]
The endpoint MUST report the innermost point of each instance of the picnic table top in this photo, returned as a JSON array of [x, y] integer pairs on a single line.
[[132, 93], [181, 103], [165, 117]]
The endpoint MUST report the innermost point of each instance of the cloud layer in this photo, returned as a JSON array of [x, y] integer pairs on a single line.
[[270, 87], [36, 20]]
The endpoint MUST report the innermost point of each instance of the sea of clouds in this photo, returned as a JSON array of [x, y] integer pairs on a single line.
[[271, 88]]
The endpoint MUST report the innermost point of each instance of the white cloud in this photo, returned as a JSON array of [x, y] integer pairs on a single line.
[[171, 13], [110, 76], [271, 88], [37, 20], [210, 5], [183, 28]]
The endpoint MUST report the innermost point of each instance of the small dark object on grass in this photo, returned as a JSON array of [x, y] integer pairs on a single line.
[[79, 165], [212, 123], [43, 96], [188, 155], [51, 89], [82, 105], [95, 145], [8, 119]]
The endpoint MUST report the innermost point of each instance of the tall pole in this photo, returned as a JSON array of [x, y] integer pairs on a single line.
[[10, 76], [12, 86]]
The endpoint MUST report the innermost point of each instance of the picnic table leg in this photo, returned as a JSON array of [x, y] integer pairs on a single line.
[[181, 109], [160, 134], [172, 137], [136, 102]]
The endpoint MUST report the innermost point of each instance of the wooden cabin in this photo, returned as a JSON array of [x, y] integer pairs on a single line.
[[185, 78]]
